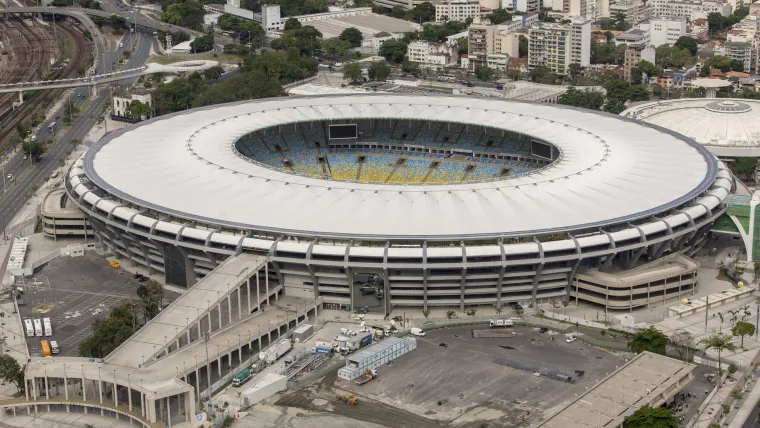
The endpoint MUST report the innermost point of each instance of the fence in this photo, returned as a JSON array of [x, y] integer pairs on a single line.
[[205, 395], [318, 373], [28, 271]]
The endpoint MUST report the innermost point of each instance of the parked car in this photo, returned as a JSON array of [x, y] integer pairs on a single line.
[[571, 338]]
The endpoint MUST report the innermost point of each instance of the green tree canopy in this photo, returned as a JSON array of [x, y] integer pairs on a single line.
[[688, 43], [422, 12], [108, 333], [379, 71], [744, 166], [651, 340], [184, 13], [334, 46], [651, 417], [673, 57], [720, 343], [743, 328], [393, 50], [292, 24], [243, 86], [352, 36], [410, 67], [589, 99], [484, 73], [498, 16], [542, 74], [203, 44], [34, 149], [352, 72], [522, 46], [11, 372]]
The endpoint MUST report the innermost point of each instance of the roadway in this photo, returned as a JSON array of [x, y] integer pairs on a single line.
[[30, 175]]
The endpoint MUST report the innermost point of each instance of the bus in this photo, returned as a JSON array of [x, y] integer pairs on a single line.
[[54, 347], [29, 328], [45, 348], [51, 127], [37, 327], [48, 327]]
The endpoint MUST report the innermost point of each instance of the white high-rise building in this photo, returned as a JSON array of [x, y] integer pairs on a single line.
[[556, 46], [458, 10], [688, 9], [664, 31]]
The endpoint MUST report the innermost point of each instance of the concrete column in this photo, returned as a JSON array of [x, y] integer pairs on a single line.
[[209, 321], [266, 281], [199, 329], [129, 396], [26, 388], [115, 394], [240, 304], [160, 409], [93, 91], [188, 336], [258, 292], [84, 391], [47, 388], [197, 383], [169, 410], [229, 308], [142, 403], [66, 387], [100, 390], [219, 309], [151, 410], [248, 293], [34, 389], [20, 97], [219, 366]]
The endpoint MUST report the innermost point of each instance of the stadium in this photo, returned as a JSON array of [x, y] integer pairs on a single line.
[[379, 201]]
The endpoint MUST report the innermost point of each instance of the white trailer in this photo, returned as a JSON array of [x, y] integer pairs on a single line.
[[274, 352], [38, 327], [48, 326]]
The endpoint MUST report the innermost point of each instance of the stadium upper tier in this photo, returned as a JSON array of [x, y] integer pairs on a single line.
[[609, 170]]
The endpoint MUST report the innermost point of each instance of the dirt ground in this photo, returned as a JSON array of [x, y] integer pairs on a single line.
[[459, 385]]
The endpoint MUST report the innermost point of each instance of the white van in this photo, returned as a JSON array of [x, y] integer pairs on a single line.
[[417, 331], [54, 347], [48, 327], [29, 328], [37, 327]]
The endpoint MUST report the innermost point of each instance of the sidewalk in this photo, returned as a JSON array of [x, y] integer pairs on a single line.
[[10, 327], [747, 410]]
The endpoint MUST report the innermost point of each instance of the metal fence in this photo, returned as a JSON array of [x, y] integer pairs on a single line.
[[331, 366]]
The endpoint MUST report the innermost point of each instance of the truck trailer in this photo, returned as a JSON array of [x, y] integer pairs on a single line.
[[274, 352], [242, 377]]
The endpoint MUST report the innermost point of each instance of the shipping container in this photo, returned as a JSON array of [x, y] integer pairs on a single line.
[[303, 332]]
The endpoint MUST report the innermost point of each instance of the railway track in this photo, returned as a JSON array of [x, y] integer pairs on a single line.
[[36, 101]]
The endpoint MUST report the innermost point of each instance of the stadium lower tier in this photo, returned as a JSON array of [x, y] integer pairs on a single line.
[[379, 276]]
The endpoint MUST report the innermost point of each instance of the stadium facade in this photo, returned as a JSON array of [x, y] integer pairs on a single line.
[[472, 201]]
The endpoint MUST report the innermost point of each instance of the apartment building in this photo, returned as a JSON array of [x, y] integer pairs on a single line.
[[588, 9], [556, 46], [688, 9], [406, 4], [665, 31], [526, 6], [742, 48], [634, 54], [635, 11], [431, 55], [486, 40], [459, 10]]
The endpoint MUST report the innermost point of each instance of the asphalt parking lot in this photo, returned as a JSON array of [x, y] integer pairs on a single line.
[[460, 383], [72, 292]]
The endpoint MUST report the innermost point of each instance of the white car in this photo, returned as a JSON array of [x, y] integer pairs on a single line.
[[570, 339]]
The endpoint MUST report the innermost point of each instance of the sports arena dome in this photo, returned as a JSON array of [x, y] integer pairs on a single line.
[[429, 200], [727, 127]]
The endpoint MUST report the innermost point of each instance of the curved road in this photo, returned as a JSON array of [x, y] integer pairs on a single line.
[[31, 175]]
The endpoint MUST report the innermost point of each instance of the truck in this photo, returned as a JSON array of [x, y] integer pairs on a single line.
[[242, 377], [417, 331], [324, 343], [367, 376], [274, 352]]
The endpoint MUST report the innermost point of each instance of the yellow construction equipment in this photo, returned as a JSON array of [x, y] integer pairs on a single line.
[[348, 399], [114, 264]]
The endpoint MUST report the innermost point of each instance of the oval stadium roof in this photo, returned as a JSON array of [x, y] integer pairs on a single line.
[[612, 170]]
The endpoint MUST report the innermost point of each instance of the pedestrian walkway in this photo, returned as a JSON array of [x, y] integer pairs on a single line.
[[748, 408], [15, 346]]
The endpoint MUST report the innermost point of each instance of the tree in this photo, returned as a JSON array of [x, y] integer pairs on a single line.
[[33, 149], [393, 50], [719, 342], [498, 16], [651, 417], [744, 166], [688, 43], [515, 74], [398, 12], [352, 72], [484, 73], [651, 340], [136, 110], [523, 46], [352, 36], [471, 312], [248, 85], [203, 44], [463, 45], [379, 71], [737, 65], [593, 100], [334, 46], [682, 341], [542, 74], [410, 67], [152, 295], [108, 333], [183, 13], [620, 21], [673, 57], [423, 12], [213, 73], [574, 70], [11, 372], [649, 69], [426, 313], [743, 328], [23, 129], [292, 24]]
